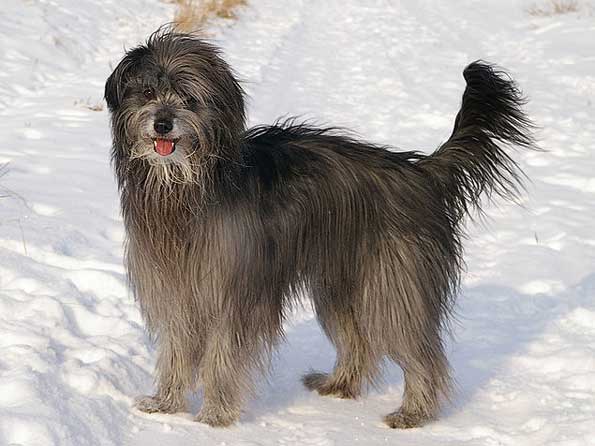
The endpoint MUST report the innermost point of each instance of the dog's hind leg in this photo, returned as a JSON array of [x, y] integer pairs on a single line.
[[405, 309], [414, 342], [174, 375], [427, 381], [356, 360]]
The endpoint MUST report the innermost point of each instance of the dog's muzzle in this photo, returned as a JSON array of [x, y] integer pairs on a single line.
[[164, 146]]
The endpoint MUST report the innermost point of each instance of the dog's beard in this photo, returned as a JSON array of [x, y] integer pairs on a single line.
[[183, 166]]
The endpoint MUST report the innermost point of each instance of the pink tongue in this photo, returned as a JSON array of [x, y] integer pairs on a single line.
[[164, 146]]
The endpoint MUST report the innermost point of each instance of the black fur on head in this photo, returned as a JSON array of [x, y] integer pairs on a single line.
[[177, 109]]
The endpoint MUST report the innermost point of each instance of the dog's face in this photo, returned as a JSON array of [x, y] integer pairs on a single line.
[[176, 106]]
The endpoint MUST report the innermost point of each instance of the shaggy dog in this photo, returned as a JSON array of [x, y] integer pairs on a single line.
[[227, 225]]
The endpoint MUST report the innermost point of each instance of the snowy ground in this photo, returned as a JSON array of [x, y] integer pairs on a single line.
[[73, 352]]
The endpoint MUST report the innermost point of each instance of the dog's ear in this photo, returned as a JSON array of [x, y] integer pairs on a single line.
[[114, 86], [116, 82]]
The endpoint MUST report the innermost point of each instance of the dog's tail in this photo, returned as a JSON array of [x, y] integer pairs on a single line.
[[472, 162]]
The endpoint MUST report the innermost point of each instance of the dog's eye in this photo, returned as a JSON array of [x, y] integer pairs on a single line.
[[148, 93]]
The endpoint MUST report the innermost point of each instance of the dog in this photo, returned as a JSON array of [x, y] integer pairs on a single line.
[[226, 226]]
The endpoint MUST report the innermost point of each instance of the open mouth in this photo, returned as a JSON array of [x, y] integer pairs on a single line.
[[164, 147]]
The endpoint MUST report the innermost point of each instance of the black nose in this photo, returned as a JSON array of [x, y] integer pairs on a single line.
[[163, 126]]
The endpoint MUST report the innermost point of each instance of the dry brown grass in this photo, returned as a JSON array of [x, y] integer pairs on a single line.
[[86, 103], [193, 14], [554, 7]]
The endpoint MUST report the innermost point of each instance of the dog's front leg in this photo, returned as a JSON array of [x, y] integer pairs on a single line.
[[174, 375], [225, 375]]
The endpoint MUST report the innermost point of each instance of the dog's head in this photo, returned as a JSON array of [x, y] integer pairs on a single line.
[[175, 105]]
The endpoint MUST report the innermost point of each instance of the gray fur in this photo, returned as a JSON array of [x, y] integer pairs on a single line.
[[225, 232]]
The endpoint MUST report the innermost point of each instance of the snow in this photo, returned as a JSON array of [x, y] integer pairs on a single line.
[[73, 352]]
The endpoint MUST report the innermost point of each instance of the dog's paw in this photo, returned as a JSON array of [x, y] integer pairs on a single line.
[[404, 420], [154, 404], [314, 380], [216, 417], [325, 386]]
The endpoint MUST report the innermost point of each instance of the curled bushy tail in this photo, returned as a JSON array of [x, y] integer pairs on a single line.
[[472, 162]]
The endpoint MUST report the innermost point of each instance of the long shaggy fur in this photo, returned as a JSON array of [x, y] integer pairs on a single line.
[[225, 232]]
